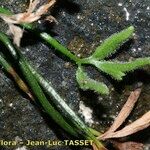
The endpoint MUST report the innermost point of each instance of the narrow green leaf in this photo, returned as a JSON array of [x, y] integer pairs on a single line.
[[38, 92], [35, 87], [58, 101], [45, 36], [5, 11], [110, 45], [49, 39], [118, 69], [87, 83], [131, 65], [9, 68]]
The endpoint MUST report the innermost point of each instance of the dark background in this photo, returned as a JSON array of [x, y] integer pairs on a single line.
[[83, 25]]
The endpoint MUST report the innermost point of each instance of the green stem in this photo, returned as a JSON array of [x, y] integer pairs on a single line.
[[44, 102], [61, 105], [50, 90], [95, 132], [67, 53], [56, 116], [39, 94], [87, 60], [48, 38]]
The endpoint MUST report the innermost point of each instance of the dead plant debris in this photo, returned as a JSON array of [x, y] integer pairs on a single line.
[[32, 14], [128, 145], [138, 125]]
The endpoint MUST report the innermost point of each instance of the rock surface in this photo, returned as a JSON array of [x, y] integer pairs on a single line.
[[83, 25]]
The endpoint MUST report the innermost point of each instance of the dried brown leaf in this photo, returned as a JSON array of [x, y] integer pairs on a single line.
[[96, 148], [44, 8], [126, 110], [31, 15], [51, 19], [17, 33], [22, 85], [138, 125], [124, 113], [128, 146], [132, 128], [33, 5]]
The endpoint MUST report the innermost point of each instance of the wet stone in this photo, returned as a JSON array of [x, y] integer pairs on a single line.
[[83, 25]]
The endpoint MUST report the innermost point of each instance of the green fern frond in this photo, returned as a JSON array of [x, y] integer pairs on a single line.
[[86, 83]]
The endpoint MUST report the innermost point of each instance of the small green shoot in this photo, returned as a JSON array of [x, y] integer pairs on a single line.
[[76, 126], [110, 45], [117, 70], [86, 82]]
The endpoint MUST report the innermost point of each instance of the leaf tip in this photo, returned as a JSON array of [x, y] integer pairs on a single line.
[[131, 28]]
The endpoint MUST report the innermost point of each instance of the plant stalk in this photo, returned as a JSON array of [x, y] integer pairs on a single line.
[[8, 68], [36, 89], [83, 130]]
